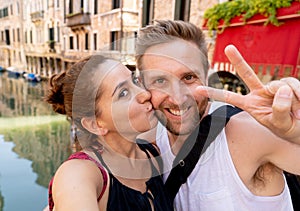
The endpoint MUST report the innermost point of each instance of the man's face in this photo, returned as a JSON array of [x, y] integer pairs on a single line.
[[171, 72]]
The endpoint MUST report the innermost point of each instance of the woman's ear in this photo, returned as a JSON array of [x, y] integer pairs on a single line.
[[91, 125]]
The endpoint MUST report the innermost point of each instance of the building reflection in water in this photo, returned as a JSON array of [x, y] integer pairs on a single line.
[[1, 201], [38, 134], [21, 98], [46, 145]]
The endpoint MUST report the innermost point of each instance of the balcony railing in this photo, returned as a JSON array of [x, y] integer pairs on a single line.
[[78, 19], [37, 16]]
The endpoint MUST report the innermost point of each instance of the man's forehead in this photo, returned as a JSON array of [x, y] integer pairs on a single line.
[[181, 51], [176, 49]]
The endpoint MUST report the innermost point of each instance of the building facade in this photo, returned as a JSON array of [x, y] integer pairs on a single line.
[[47, 36], [11, 38]]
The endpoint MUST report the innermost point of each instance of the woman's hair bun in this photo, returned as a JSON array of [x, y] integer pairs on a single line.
[[55, 95]]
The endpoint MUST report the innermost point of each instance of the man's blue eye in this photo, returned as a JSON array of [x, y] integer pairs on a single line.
[[160, 80]]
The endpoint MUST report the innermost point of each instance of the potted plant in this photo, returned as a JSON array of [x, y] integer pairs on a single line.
[[222, 14]]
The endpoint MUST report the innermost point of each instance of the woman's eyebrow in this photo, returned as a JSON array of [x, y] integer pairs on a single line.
[[119, 86]]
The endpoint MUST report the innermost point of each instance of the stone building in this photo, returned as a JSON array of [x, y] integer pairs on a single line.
[[187, 10], [47, 36], [11, 34]]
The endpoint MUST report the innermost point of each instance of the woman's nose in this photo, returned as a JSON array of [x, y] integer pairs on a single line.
[[143, 96]]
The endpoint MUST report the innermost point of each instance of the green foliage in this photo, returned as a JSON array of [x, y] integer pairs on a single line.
[[246, 8]]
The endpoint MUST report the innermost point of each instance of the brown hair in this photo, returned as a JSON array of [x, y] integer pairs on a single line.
[[165, 31], [75, 93]]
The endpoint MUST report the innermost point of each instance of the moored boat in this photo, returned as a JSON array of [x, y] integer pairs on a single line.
[[32, 77], [14, 72]]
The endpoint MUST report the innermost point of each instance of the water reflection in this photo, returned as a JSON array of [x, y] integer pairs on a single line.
[[21, 98], [1, 201], [46, 145], [34, 142]]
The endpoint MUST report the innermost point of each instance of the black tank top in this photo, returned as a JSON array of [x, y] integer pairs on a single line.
[[123, 198]]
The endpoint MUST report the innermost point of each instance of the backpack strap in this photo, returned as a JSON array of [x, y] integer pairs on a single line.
[[294, 187], [195, 145], [147, 146], [103, 172]]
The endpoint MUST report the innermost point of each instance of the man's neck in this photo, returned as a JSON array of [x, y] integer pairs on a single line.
[[176, 142]]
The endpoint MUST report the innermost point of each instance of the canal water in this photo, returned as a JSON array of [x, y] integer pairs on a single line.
[[34, 141]]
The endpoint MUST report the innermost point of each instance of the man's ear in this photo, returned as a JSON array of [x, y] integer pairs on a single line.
[[91, 125]]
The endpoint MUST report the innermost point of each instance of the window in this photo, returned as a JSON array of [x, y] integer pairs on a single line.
[[81, 5], [31, 41], [95, 41], [25, 36], [115, 4], [51, 34], [77, 40], [18, 34], [114, 35], [148, 11], [71, 42], [182, 10], [7, 37], [95, 7], [5, 12], [86, 41], [70, 6]]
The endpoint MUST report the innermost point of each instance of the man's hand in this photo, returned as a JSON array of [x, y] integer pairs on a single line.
[[275, 105]]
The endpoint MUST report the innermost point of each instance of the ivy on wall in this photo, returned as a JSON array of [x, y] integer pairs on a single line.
[[244, 8]]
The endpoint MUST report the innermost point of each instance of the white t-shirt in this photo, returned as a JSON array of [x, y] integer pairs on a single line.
[[215, 184]]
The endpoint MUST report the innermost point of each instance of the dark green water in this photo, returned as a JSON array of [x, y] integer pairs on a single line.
[[33, 143]]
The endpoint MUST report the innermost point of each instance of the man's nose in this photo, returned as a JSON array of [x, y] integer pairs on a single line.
[[178, 93]]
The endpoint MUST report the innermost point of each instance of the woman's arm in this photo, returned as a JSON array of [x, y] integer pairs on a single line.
[[77, 185]]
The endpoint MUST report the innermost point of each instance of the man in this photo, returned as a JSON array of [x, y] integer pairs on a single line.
[[242, 168]]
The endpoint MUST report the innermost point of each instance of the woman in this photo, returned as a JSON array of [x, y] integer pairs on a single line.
[[109, 109]]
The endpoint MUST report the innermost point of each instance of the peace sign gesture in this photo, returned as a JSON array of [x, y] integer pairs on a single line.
[[275, 105]]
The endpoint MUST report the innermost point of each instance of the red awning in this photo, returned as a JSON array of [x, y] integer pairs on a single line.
[[261, 44]]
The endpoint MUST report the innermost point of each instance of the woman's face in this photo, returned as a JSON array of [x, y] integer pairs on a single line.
[[124, 104]]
